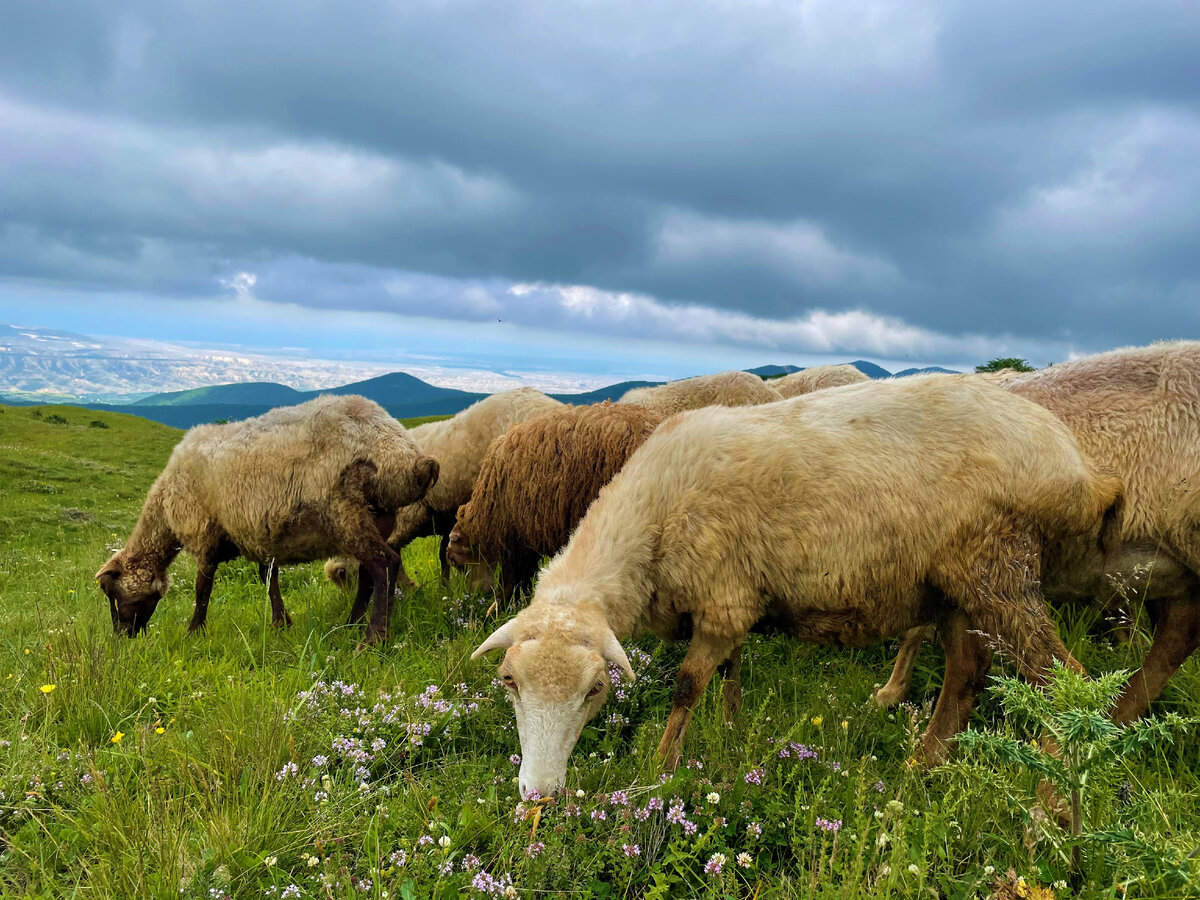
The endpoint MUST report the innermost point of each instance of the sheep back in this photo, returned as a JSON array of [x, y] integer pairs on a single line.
[[732, 388], [1136, 411], [817, 378]]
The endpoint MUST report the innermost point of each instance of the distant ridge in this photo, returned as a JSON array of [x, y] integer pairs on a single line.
[[929, 370], [870, 369], [404, 396]]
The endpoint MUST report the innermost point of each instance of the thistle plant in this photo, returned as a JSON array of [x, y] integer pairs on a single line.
[[1064, 736]]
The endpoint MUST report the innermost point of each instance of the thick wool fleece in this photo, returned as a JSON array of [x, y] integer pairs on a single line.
[[731, 388], [266, 482], [539, 478], [459, 445], [817, 378]]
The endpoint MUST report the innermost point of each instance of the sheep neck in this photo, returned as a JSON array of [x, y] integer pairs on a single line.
[[605, 571], [152, 539]]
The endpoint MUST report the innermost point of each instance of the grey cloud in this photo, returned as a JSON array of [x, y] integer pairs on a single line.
[[1017, 169]]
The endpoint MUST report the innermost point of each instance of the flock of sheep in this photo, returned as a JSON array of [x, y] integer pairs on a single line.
[[834, 508]]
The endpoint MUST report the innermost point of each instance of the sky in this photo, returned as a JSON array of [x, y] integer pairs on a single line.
[[618, 187]]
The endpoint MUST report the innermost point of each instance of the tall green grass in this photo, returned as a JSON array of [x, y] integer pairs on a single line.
[[253, 762]]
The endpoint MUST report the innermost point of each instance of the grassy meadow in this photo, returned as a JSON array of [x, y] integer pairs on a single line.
[[252, 762]]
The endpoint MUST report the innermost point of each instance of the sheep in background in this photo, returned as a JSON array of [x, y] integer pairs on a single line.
[[295, 484], [731, 388], [458, 444], [1136, 412], [816, 378], [842, 517], [537, 481]]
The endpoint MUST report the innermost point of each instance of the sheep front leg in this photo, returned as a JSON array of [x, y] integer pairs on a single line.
[[383, 572], [1176, 637], [704, 654], [897, 688], [967, 664], [279, 613], [206, 569]]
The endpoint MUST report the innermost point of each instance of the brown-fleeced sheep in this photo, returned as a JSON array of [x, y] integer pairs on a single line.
[[295, 484], [732, 388], [843, 517], [1135, 412], [817, 378], [537, 481], [459, 445]]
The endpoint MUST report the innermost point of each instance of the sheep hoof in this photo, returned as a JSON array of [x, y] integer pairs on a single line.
[[887, 697], [285, 622], [197, 626]]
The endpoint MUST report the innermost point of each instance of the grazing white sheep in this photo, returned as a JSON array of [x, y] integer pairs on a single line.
[[842, 517], [292, 485]]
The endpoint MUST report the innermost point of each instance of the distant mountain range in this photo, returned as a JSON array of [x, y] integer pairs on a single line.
[[403, 395], [41, 366]]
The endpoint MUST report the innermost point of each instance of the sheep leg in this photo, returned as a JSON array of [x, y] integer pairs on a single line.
[[999, 588], [383, 576], [207, 560], [279, 613], [704, 654], [731, 690], [206, 568], [896, 690], [443, 546], [1176, 636], [362, 597], [967, 662]]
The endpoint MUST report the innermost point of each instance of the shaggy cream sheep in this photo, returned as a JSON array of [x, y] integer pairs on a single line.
[[731, 388], [293, 485], [458, 444], [842, 517], [816, 378], [1135, 412]]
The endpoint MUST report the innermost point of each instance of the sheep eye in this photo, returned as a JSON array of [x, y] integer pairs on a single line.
[[508, 682], [596, 689]]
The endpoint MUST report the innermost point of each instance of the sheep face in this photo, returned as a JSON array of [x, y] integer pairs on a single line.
[[557, 677], [463, 556], [133, 593]]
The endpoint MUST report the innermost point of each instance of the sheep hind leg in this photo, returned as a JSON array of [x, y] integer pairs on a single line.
[[967, 662], [897, 688], [704, 654], [731, 690], [383, 578], [362, 597], [1176, 637], [279, 613]]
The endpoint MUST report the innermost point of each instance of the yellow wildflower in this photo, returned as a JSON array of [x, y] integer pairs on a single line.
[[160, 730], [817, 720], [47, 688], [116, 738]]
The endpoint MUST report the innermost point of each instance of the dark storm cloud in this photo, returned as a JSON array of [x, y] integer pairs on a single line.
[[1016, 169]]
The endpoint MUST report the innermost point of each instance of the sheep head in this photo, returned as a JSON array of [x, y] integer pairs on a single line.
[[556, 672], [133, 591]]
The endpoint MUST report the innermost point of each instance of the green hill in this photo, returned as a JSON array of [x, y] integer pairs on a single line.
[[252, 393]]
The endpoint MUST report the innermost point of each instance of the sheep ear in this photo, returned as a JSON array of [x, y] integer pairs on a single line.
[[614, 653], [108, 575], [501, 639]]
